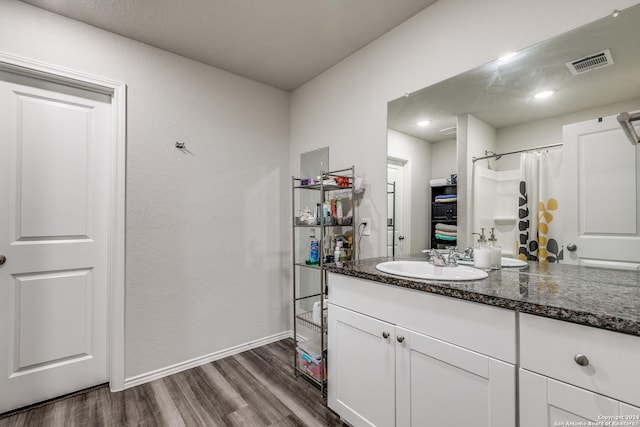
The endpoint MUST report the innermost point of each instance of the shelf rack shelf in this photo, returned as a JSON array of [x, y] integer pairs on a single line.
[[310, 281]]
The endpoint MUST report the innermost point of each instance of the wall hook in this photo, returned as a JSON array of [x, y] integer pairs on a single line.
[[180, 145]]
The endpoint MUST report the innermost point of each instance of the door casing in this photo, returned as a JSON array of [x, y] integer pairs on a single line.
[[116, 209]]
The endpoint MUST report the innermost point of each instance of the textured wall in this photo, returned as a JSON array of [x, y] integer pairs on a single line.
[[206, 263]]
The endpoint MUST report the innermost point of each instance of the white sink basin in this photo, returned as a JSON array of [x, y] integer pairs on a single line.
[[425, 270], [506, 262]]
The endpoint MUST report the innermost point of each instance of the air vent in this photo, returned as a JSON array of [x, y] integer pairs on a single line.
[[591, 62]]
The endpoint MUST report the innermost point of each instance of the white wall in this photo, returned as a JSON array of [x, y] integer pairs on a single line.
[[345, 106], [418, 154], [207, 252], [443, 159]]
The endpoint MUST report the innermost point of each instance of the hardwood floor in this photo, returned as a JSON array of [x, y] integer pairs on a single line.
[[253, 388]]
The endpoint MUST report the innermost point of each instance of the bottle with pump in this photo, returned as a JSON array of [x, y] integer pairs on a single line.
[[314, 249], [338, 251], [496, 251], [482, 253]]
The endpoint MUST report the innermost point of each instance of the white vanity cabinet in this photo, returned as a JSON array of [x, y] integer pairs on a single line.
[[575, 373], [408, 358]]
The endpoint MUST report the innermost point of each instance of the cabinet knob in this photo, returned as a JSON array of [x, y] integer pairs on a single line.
[[581, 359], [385, 334], [571, 247], [400, 338], [3, 259]]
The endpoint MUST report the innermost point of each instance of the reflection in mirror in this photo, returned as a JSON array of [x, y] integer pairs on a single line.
[[555, 175], [312, 164]]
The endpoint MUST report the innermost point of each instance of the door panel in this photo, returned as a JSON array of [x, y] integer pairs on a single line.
[[547, 402], [361, 359], [52, 315], [602, 191], [445, 385], [50, 186], [53, 230]]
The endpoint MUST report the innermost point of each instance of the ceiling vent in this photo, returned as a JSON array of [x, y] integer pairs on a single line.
[[591, 62]]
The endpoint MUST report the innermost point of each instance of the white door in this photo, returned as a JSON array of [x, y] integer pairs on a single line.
[[53, 232], [400, 244], [440, 384], [361, 362], [602, 195], [547, 402]]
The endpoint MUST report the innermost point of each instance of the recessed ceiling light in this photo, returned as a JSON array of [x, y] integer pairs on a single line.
[[544, 94], [423, 123]]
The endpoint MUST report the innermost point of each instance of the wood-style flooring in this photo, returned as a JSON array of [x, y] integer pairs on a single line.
[[253, 388]]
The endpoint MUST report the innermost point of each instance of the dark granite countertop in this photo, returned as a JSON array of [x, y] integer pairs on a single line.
[[603, 298]]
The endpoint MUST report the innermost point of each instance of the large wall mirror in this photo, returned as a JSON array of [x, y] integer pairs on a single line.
[[553, 173]]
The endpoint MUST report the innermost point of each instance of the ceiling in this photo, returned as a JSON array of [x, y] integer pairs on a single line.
[[283, 43], [500, 93]]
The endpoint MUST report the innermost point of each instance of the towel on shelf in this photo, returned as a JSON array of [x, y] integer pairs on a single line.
[[446, 196], [453, 199], [446, 227], [443, 237], [438, 182], [447, 233]]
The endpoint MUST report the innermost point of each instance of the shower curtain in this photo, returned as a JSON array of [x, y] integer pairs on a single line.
[[540, 207]]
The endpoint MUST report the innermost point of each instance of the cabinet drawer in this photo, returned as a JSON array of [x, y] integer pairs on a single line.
[[550, 347]]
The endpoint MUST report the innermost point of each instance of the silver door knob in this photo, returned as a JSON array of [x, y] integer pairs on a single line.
[[581, 359], [571, 247], [385, 334], [400, 338], [3, 259]]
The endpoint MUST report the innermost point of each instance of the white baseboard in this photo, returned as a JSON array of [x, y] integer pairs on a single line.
[[198, 361]]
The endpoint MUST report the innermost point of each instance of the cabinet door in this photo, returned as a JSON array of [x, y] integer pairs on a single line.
[[440, 384], [361, 362], [547, 402]]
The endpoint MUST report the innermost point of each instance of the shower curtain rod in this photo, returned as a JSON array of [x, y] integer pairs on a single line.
[[542, 147]]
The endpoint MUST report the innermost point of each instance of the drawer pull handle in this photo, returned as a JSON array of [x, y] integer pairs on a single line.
[[581, 359], [400, 338], [385, 334]]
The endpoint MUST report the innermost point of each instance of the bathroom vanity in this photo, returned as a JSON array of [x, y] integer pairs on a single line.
[[536, 346]]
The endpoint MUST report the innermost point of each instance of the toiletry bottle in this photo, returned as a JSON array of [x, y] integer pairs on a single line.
[[482, 253], [326, 209], [314, 249], [318, 214], [338, 252], [339, 210], [496, 251]]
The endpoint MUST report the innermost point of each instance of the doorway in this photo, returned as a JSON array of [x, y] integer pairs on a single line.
[[61, 232], [398, 236]]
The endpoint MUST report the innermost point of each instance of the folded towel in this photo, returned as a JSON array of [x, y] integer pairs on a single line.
[[446, 196], [443, 237], [446, 227], [439, 182], [447, 200], [447, 233]]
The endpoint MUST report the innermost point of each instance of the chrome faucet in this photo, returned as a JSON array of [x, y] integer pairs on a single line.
[[452, 258], [436, 258]]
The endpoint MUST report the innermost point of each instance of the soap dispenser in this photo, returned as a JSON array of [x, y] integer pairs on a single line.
[[482, 252], [496, 251]]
